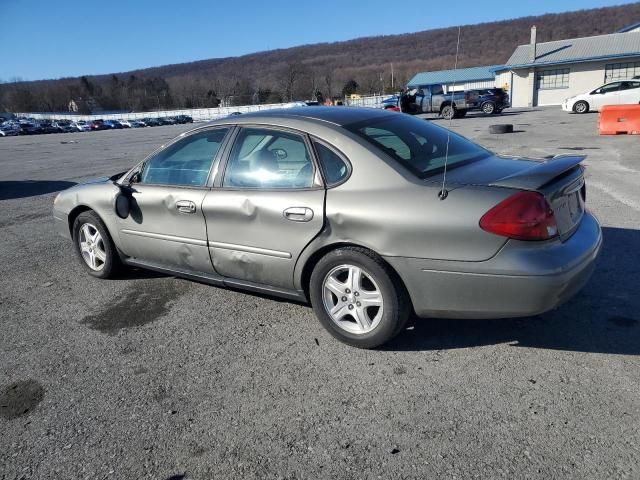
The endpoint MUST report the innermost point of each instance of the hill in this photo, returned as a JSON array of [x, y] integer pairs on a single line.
[[330, 69]]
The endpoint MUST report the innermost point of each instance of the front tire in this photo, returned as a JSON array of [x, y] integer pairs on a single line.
[[94, 246], [581, 107], [358, 298]]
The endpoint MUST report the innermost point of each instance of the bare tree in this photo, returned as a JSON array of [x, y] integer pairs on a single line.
[[291, 76]]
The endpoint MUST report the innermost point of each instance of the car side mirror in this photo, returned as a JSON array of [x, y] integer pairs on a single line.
[[122, 205]]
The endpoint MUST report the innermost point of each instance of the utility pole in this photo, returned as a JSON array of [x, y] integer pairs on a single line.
[[392, 82]]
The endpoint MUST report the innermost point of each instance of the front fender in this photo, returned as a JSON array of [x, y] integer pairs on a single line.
[[99, 197]]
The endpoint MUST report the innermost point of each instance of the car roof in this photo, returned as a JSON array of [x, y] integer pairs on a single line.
[[337, 115]]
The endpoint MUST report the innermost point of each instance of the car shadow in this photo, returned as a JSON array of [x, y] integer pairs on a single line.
[[11, 189], [603, 318]]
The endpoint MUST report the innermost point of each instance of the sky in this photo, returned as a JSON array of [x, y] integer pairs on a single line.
[[61, 38]]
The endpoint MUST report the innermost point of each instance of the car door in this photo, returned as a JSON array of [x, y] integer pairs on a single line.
[[166, 226], [630, 92], [608, 94], [268, 205], [423, 100]]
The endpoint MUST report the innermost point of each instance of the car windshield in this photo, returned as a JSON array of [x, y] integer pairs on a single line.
[[417, 144]]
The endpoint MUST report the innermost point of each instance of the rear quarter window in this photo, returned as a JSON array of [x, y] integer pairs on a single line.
[[421, 147], [334, 167]]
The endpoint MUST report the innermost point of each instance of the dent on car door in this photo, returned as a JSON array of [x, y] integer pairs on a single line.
[[268, 206], [166, 226]]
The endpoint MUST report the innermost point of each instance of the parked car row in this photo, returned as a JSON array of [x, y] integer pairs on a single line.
[[32, 126]]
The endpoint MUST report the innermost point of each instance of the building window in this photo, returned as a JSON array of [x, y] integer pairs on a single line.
[[548, 79], [621, 71]]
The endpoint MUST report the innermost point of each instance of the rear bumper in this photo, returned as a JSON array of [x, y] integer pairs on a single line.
[[522, 279]]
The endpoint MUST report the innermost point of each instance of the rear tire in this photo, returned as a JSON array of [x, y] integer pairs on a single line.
[[358, 298], [581, 107], [94, 246], [488, 108]]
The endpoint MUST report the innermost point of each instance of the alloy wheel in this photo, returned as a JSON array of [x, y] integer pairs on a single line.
[[581, 107], [352, 299], [488, 108], [92, 247]]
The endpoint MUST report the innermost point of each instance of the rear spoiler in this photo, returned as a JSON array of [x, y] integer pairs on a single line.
[[540, 173]]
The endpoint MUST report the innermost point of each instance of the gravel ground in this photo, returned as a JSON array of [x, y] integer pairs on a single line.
[[155, 377]]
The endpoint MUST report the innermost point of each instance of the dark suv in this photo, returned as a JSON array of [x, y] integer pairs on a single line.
[[491, 100]]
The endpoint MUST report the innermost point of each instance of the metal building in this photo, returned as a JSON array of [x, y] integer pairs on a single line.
[[460, 79], [548, 73]]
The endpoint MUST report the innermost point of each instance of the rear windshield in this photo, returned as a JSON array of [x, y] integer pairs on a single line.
[[418, 144]]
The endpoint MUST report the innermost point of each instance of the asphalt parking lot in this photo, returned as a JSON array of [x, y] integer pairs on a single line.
[[150, 376]]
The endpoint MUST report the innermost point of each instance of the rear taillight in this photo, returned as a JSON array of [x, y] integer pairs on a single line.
[[523, 216]]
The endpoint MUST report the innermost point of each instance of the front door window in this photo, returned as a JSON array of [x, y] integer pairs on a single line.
[[186, 162]]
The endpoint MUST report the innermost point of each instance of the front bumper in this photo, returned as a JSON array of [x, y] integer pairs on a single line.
[[567, 106], [61, 223], [522, 279]]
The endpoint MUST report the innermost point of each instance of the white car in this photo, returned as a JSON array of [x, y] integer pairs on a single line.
[[83, 126], [614, 93]]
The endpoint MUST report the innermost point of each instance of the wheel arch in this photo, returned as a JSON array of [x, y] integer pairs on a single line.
[[73, 214], [446, 103], [79, 209]]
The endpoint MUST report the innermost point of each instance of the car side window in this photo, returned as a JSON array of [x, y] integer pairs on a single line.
[[629, 85], [185, 162], [612, 87], [334, 167], [265, 158], [388, 141]]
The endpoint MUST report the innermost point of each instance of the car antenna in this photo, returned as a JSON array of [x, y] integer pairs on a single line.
[[444, 193]]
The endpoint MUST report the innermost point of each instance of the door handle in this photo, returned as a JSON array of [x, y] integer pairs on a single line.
[[298, 214], [185, 206]]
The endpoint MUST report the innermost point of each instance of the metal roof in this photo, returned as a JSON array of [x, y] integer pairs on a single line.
[[460, 75], [613, 45], [630, 28]]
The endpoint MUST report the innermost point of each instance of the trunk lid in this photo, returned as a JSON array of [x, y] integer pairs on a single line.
[[560, 179]]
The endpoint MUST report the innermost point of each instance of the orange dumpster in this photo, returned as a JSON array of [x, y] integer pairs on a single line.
[[619, 119]]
